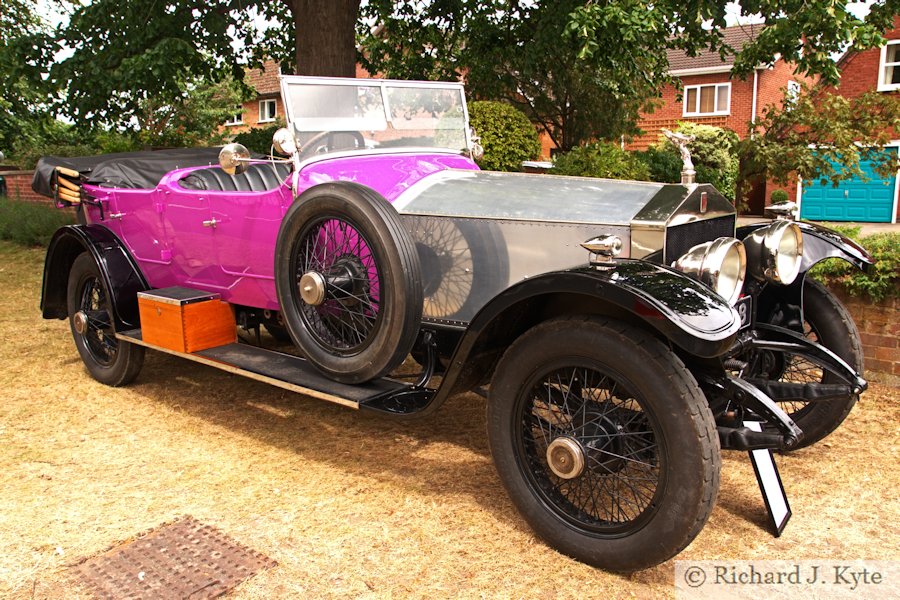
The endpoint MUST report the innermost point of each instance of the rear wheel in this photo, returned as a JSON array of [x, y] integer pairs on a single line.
[[108, 359], [348, 281], [604, 442]]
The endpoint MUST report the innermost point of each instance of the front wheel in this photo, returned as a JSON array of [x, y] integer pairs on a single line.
[[826, 321], [604, 442], [108, 359]]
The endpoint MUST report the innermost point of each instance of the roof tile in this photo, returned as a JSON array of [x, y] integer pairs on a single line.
[[265, 80], [736, 37]]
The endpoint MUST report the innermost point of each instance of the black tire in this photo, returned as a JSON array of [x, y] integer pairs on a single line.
[[826, 321], [647, 440], [365, 326], [108, 359], [463, 265]]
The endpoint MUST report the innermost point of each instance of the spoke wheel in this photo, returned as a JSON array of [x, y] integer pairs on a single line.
[[827, 322], [462, 263], [348, 281], [590, 449], [604, 442], [108, 359]]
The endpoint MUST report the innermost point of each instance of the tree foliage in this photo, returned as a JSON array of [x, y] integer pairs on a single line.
[[806, 33], [524, 54], [584, 69], [26, 48], [507, 136], [823, 136], [131, 55]]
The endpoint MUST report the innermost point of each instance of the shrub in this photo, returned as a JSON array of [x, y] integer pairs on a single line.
[[507, 136], [778, 196], [714, 154], [258, 139], [882, 281], [31, 223], [601, 159], [664, 165]]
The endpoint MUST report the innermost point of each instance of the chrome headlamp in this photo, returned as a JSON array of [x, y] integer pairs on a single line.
[[720, 264], [774, 252]]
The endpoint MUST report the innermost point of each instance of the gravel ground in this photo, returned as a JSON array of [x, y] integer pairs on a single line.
[[348, 506]]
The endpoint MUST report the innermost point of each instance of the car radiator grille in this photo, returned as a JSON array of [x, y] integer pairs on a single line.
[[681, 238]]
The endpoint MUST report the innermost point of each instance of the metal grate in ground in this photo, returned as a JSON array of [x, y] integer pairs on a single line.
[[183, 559]]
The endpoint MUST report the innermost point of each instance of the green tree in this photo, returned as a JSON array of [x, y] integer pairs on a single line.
[[820, 135], [524, 54], [128, 54], [584, 69], [25, 51], [806, 33], [192, 118]]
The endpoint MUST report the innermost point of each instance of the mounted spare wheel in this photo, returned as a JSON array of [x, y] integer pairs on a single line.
[[348, 281]]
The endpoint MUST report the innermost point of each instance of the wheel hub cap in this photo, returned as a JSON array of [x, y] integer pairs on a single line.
[[565, 457], [312, 288], [80, 321]]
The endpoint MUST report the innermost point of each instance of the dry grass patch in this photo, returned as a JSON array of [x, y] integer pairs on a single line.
[[348, 505]]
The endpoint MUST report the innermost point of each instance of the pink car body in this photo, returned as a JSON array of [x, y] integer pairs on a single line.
[[224, 242]]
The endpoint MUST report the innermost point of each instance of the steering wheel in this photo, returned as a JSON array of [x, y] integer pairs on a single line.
[[325, 142]]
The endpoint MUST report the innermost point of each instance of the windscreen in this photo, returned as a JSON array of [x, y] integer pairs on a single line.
[[337, 115]]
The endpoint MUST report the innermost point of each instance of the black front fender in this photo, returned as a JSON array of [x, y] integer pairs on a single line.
[[679, 309], [820, 243], [683, 310], [120, 273]]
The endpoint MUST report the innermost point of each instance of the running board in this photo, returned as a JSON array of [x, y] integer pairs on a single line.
[[285, 371]]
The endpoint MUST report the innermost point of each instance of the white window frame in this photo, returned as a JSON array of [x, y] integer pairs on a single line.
[[695, 111], [883, 65], [793, 90], [274, 104], [237, 118]]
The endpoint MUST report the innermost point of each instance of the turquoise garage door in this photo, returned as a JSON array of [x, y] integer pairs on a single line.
[[870, 201]]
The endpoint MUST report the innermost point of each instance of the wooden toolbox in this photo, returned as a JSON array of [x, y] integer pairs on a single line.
[[185, 320]]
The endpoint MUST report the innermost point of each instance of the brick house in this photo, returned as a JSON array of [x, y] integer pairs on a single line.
[[711, 96], [874, 199], [265, 107]]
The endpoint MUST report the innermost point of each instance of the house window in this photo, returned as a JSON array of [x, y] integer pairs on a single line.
[[237, 118], [266, 111], [889, 70], [793, 91], [702, 100]]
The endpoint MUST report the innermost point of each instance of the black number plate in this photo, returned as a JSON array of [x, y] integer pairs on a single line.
[[744, 307]]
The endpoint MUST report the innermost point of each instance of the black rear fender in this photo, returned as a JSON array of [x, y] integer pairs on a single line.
[[120, 272], [672, 306]]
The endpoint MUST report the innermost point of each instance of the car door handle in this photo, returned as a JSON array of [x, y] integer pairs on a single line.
[[116, 215], [211, 223]]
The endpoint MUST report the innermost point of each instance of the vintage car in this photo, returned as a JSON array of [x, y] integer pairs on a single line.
[[622, 332]]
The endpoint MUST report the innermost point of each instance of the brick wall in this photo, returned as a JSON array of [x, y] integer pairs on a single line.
[[18, 186], [879, 328], [859, 71], [251, 115]]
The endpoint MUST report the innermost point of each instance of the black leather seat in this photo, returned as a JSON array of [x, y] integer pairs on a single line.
[[257, 178]]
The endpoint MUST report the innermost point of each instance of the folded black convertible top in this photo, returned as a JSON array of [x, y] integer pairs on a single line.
[[137, 170]]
